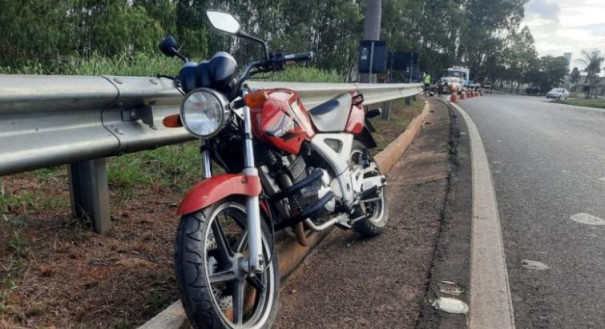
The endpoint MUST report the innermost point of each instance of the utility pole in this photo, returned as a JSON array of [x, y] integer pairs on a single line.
[[371, 28]]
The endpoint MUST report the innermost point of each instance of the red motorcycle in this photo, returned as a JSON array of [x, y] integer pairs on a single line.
[[286, 168]]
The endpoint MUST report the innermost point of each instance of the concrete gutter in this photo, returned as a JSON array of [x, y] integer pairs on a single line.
[[291, 254]]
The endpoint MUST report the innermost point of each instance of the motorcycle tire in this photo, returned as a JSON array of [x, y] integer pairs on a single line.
[[379, 216], [213, 291]]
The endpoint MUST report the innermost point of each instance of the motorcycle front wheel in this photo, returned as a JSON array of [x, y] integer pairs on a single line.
[[214, 290]]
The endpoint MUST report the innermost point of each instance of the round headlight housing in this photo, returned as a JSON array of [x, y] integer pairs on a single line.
[[205, 112]]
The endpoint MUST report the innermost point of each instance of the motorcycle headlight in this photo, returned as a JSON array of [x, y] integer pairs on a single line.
[[205, 112]]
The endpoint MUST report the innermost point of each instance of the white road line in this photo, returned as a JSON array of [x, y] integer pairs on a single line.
[[491, 303], [602, 179], [588, 219]]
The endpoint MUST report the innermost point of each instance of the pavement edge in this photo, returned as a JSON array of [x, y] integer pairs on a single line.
[[491, 302], [449, 275]]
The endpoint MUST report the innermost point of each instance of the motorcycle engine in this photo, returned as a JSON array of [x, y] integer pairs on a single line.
[[278, 172], [309, 195]]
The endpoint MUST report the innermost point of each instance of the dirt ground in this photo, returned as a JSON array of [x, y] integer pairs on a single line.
[[56, 273], [350, 282]]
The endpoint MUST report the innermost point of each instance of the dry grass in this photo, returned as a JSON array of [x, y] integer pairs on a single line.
[[400, 116]]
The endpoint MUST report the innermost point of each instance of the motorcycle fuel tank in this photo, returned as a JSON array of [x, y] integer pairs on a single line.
[[282, 120]]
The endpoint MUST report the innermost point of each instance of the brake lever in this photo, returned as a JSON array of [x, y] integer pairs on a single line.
[[166, 76], [177, 82]]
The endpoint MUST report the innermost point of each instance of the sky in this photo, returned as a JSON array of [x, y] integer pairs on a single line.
[[560, 26]]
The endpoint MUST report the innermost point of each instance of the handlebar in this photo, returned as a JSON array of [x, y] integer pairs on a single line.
[[296, 58], [273, 64]]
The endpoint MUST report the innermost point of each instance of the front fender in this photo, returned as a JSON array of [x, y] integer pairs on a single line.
[[217, 188]]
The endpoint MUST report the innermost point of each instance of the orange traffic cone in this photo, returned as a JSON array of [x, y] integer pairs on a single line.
[[454, 97], [463, 95]]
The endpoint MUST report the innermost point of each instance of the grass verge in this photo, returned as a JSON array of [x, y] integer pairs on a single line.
[[400, 116], [598, 103]]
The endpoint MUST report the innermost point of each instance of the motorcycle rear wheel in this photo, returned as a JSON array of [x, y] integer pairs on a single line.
[[214, 292], [377, 211]]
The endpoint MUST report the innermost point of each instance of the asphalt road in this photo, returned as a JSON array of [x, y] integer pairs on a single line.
[[548, 165]]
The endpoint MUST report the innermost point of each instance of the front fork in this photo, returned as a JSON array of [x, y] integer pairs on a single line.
[[254, 264], [255, 245]]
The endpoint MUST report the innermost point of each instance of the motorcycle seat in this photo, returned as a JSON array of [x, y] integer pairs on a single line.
[[332, 115]]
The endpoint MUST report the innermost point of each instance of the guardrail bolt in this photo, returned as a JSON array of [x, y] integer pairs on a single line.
[[134, 115]]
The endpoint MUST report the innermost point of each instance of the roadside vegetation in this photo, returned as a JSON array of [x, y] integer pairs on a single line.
[[306, 74], [593, 61], [486, 36], [142, 64], [400, 116], [593, 102]]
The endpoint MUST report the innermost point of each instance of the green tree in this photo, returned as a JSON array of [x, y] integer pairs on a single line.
[[34, 30], [521, 55], [192, 32], [115, 26], [593, 61], [484, 23], [473, 33], [575, 75], [549, 73], [163, 11]]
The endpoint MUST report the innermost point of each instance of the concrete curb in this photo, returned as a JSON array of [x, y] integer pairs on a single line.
[[291, 254], [393, 152]]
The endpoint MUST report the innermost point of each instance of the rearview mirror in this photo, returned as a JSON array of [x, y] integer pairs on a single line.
[[168, 46], [223, 21]]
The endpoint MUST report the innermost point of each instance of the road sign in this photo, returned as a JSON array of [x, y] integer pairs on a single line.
[[401, 61], [372, 56]]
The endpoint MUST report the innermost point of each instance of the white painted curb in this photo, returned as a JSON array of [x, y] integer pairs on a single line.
[[491, 304]]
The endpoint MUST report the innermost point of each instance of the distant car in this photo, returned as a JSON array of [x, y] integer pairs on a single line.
[[557, 93], [533, 90]]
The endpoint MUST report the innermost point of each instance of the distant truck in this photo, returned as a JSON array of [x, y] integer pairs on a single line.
[[460, 72], [445, 84]]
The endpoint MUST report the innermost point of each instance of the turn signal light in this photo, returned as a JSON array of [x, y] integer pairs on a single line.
[[172, 121], [256, 98]]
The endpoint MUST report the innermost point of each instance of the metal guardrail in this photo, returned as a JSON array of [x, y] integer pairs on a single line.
[[80, 120], [314, 94]]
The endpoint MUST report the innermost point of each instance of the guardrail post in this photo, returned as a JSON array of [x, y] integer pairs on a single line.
[[386, 110], [89, 193], [408, 100]]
